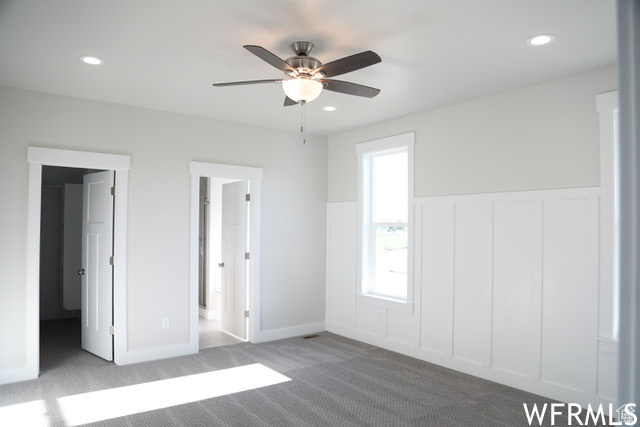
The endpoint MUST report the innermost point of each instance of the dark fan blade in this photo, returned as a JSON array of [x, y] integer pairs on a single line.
[[269, 57], [248, 82], [349, 63], [350, 88], [288, 101]]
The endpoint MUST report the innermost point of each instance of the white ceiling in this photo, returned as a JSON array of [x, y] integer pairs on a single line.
[[164, 54]]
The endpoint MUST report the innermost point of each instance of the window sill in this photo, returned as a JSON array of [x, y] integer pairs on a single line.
[[390, 303]]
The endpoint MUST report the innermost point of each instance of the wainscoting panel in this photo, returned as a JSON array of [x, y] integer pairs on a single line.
[[517, 275], [403, 327], [506, 288], [569, 292], [472, 286], [372, 319], [436, 331]]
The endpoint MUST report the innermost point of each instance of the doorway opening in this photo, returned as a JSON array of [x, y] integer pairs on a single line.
[[225, 237], [112, 165], [223, 241], [61, 266]]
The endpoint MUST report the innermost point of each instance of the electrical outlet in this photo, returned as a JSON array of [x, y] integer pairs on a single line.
[[165, 323]]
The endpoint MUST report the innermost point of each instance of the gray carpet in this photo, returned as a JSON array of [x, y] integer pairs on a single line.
[[335, 381]]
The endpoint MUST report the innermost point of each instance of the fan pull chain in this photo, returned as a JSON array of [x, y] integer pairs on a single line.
[[302, 124]]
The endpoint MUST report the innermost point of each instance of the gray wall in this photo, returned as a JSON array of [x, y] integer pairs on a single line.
[[535, 138], [161, 145]]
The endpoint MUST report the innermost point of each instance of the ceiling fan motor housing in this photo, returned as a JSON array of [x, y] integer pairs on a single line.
[[302, 62], [302, 48]]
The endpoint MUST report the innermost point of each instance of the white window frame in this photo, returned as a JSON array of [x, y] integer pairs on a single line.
[[389, 144]]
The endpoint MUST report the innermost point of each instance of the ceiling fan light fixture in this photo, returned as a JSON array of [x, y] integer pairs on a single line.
[[305, 90]]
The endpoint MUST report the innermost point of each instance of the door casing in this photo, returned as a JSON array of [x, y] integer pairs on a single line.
[[38, 157], [238, 173]]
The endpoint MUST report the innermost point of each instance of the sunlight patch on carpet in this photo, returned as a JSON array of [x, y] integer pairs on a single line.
[[121, 401], [32, 414]]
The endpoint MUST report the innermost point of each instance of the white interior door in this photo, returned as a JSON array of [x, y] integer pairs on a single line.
[[96, 271], [234, 248]]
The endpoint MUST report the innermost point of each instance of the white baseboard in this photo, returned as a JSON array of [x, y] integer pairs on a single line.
[[15, 375], [294, 331], [156, 353]]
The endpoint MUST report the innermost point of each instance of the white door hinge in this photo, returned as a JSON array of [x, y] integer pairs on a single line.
[[111, 260], [246, 314], [111, 330]]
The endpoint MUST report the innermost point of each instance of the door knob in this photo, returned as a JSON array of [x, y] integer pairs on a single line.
[[221, 264], [81, 272]]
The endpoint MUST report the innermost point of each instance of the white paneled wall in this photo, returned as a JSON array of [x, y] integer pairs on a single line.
[[505, 285]]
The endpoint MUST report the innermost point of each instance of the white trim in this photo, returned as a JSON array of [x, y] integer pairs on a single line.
[[120, 228], [390, 303], [607, 101], [157, 353], [562, 193], [294, 331], [33, 272], [254, 176], [389, 143], [217, 170], [38, 157], [77, 159], [9, 376]]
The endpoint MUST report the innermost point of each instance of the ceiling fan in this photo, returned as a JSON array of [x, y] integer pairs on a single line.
[[306, 76]]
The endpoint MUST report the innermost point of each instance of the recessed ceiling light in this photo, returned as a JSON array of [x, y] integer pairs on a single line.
[[541, 39], [329, 108], [91, 60]]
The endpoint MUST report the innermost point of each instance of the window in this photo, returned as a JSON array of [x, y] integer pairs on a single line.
[[385, 169]]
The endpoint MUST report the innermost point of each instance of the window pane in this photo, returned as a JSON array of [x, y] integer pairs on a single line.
[[389, 187], [390, 265]]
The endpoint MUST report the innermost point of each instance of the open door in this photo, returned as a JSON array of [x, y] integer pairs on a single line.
[[97, 270], [234, 259]]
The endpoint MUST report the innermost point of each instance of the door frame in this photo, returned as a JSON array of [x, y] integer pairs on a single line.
[[38, 157], [240, 173]]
